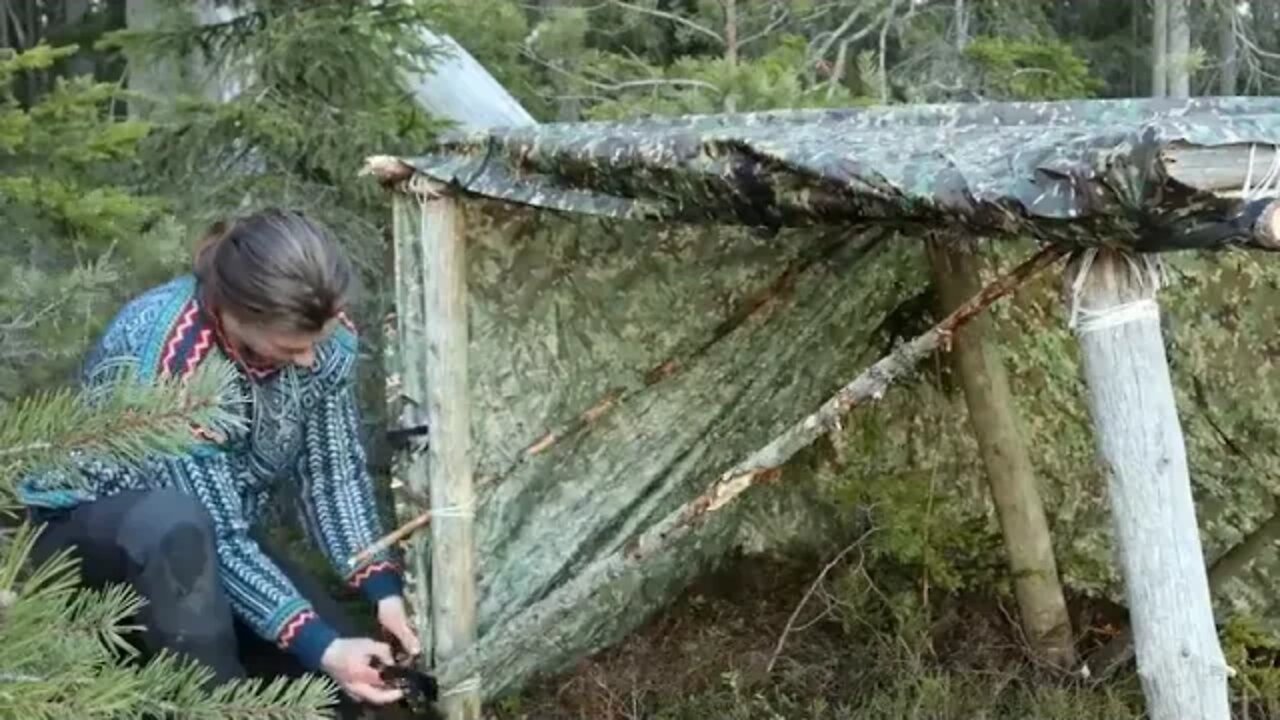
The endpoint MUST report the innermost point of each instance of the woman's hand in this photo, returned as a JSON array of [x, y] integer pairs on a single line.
[[350, 662], [393, 618]]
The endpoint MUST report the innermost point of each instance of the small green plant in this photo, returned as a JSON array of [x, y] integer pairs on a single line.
[[1253, 651]]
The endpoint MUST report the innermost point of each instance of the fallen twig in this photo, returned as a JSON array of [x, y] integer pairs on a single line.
[[782, 639]]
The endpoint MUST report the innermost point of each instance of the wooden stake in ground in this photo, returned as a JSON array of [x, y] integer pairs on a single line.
[[1141, 448], [993, 418], [453, 581]]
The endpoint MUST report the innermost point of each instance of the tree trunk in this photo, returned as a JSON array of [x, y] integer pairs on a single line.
[[1140, 446], [1229, 48], [1159, 48], [406, 374], [1135, 64], [461, 89], [889, 18], [1011, 477], [731, 51], [76, 13], [962, 26], [1231, 565], [1179, 61]]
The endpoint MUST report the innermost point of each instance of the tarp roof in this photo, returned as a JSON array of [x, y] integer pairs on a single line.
[[1081, 172]]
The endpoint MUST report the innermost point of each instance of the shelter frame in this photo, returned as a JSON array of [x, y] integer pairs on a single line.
[[1179, 677]]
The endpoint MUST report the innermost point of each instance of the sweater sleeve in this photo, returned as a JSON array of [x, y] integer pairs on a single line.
[[337, 491], [260, 593]]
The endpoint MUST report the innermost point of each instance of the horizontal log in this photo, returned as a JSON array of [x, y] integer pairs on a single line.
[[1220, 169]]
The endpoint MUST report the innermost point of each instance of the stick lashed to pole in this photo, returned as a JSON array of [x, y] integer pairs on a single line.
[[399, 534]]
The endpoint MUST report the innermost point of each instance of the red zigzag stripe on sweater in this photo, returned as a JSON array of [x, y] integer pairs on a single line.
[[188, 319], [292, 627], [363, 573], [199, 351]]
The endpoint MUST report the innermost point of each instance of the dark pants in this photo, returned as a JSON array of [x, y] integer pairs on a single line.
[[162, 543]]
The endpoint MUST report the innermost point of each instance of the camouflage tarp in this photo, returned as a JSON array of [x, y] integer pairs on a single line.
[[688, 347], [661, 353], [998, 168]]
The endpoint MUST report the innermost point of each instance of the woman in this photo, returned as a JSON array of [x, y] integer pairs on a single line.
[[267, 293]]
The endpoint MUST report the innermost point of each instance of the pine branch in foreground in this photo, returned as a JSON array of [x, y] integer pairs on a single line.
[[119, 417], [63, 648], [62, 653]]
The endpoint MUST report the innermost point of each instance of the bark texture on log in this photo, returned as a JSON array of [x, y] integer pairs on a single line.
[[453, 577], [994, 420], [1143, 454], [407, 392]]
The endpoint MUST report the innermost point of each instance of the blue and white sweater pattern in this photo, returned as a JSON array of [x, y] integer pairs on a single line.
[[304, 428]]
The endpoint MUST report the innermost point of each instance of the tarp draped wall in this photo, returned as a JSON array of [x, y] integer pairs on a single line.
[[689, 342], [694, 345]]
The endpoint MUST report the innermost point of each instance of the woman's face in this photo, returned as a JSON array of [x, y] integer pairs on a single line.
[[264, 345]]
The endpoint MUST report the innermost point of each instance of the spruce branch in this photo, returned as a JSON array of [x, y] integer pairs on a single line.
[[64, 650], [119, 416], [61, 649]]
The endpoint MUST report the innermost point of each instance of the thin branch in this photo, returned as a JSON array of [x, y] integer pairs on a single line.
[[678, 82], [837, 71], [401, 533], [776, 23], [782, 639], [620, 85], [672, 17], [26, 322], [25, 449], [19, 35], [835, 35]]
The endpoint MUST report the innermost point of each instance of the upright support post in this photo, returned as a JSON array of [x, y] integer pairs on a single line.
[[453, 582], [407, 364], [1141, 448]]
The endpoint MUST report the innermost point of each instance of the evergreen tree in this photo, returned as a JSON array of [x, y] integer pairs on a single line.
[[70, 224], [63, 648], [314, 86]]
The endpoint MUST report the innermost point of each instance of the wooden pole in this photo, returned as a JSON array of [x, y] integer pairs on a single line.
[[453, 600], [407, 396], [1143, 456], [1011, 477]]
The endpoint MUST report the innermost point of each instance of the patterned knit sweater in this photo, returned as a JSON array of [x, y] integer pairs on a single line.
[[302, 428]]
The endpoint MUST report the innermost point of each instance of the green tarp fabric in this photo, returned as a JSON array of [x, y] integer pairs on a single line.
[[696, 345], [996, 168]]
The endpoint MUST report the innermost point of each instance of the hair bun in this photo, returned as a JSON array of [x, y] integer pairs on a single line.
[[208, 244]]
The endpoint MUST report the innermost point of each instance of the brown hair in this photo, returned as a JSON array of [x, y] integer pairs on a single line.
[[274, 267]]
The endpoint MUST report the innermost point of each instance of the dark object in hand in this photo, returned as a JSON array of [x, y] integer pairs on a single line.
[[420, 689]]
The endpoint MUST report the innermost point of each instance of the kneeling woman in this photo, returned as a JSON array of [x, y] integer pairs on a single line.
[[267, 294]]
